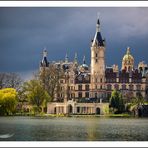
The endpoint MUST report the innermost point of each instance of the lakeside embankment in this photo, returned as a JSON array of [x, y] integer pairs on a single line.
[[74, 115]]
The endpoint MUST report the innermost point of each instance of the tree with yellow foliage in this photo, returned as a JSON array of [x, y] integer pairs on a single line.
[[8, 101]]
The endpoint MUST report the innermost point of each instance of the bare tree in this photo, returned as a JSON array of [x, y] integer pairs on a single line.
[[50, 78], [2, 80], [10, 80]]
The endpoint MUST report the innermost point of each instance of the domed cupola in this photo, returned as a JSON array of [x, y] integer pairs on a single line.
[[128, 61]]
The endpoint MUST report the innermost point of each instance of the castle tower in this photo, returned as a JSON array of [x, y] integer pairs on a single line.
[[98, 64], [128, 61]]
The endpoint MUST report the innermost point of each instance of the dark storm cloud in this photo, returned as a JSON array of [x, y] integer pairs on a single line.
[[24, 32]]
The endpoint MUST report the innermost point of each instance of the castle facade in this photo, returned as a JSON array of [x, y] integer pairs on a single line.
[[86, 89]]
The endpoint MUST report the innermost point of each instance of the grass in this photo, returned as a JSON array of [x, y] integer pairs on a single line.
[[119, 115]]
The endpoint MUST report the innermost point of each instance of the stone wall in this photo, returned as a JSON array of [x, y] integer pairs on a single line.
[[72, 107]]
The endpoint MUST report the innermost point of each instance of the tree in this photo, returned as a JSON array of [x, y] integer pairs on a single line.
[[36, 95], [128, 97], [8, 101], [116, 102], [136, 102], [10, 80], [139, 99], [2, 80], [50, 79]]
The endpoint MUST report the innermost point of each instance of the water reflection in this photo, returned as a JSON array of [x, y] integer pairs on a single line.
[[73, 129], [91, 128]]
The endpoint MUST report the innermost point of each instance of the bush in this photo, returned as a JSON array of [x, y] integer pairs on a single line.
[[8, 101]]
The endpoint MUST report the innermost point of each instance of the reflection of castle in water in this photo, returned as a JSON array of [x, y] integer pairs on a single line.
[[85, 89]]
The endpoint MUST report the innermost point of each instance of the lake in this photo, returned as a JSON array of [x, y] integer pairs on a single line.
[[73, 129]]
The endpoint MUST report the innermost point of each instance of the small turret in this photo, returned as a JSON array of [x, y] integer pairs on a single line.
[[66, 58], [44, 61], [76, 59], [84, 60]]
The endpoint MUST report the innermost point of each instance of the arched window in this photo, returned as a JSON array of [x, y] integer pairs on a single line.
[[138, 87], [123, 86], [78, 109], [131, 87], [116, 86]]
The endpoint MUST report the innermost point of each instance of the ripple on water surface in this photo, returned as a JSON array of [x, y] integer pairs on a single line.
[[73, 129]]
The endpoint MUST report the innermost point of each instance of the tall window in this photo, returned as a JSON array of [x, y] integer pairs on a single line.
[[95, 95], [101, 87], [80, 94], [96, 55], [86, 87], [78, 109], [79, 87], [101, 80], [87, 94]]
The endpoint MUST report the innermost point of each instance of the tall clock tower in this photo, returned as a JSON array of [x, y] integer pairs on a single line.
[[98, 65]]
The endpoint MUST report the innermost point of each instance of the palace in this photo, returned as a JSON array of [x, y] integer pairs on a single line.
[[86, 89]]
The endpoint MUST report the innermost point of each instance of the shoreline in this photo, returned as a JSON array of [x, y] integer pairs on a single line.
[[73, 115]]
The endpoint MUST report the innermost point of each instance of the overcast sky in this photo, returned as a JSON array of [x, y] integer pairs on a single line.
[[24, 32]]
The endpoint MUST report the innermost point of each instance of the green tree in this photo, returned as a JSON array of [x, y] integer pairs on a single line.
[[116, 102], [139, 99], [136, 102], [8, 101], [36, 95]]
